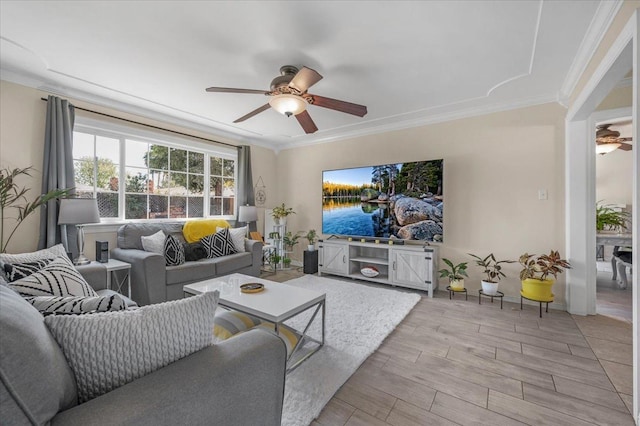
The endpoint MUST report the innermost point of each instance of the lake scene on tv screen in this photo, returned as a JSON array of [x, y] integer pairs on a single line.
[[401, 200]]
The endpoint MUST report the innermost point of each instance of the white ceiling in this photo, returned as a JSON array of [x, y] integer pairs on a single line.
[[410, 63]]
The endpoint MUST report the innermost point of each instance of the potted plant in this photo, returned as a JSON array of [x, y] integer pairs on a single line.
[[280, 213], [286, 262], [289, 240], [455, 273], [311, 237], [275, 260], [493, 272], [11, 195], [607, 218], [536, 273]]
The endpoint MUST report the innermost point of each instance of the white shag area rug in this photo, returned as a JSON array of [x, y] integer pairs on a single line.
[[359, 317]]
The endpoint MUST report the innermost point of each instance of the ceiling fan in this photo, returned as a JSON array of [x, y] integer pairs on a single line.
[[608, 140], [289, 97]]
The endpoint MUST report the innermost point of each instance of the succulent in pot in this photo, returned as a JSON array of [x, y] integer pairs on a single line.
[[492, 270], [455, 274]]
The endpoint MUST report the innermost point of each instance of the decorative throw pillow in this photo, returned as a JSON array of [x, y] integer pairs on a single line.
[[58, 278], [108, 350], [218, 244], [154, 243], [48, 253], [195, 230], [173, 251], [194, 251], [17, 271], [48, 305], [237, 236]]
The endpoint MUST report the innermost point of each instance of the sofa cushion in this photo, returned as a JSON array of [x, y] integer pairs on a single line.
[[219, 244], [58, 278], [173, 251], [108, 350], [191, 271], [48, 253], [129, 234], [35, 378], [238, 235], [228, 264], [154, 243], [195, 230]]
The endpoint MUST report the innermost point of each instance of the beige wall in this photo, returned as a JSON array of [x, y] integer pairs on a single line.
[[614, 177], [22, 122], [494, 166]]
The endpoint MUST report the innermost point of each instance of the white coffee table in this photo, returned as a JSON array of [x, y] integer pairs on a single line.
[[276, 304]]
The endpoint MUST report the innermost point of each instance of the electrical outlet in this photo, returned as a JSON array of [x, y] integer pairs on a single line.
[[542, 194]]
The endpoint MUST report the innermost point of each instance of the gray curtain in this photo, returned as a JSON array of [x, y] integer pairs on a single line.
[[245, 181], [57, 171]]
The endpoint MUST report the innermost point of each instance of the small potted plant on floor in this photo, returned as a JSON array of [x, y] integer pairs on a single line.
[[286, 262], [311, 237], [536, 273], [280, 213], [455, 274], [492, 271]]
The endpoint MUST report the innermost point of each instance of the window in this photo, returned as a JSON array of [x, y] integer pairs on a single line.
[[163, 178]]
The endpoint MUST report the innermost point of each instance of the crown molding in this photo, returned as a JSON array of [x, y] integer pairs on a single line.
[[607, 11]]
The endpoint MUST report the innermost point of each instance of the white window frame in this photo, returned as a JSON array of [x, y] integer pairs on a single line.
[[123, 132]]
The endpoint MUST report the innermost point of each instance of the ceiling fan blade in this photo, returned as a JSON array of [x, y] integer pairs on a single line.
[[304, 79], [342, 106], [252, 113], [231, 90], [306, 122], [625, 147]]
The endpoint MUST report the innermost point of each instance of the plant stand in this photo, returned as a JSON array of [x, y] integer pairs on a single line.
[[452, 291], [547, 301], [498, 294]]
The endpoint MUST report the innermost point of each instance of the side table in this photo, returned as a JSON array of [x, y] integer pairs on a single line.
[[310, 262], [114, 265]]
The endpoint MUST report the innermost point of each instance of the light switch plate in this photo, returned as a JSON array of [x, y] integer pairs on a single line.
[[542, 194]]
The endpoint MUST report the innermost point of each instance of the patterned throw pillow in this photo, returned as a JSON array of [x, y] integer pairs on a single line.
[[58, 278], [154, 243], [108, 350], [238, 236], [48, 253], [18, 271], [173, 251], [218, 244], [48, 305]]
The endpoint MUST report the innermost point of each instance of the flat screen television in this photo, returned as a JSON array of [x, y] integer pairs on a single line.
[[401, 200]]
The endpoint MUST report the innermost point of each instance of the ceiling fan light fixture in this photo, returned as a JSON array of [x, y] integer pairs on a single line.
[[605, 148], [287, 104]]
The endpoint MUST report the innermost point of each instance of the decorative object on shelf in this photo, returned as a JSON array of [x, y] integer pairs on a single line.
[[609, 218], [11, 195], [536, 284], [275, 259], [286, 262], [252, 288], [311, 237], [79, 212], [370, 271], [280, 214], [247, 214], [455, 274], [493, 272]]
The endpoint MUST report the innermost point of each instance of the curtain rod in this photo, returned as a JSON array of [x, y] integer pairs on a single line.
[[150, 125]]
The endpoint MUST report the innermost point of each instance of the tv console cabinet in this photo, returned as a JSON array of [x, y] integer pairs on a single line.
[[403, 265]]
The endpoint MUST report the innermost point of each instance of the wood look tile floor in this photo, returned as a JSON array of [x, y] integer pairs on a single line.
[[457, 362]]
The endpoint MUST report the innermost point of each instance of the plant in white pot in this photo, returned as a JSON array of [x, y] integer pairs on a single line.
[[311, 237], [493, 272], [280, 213], [455, 273]]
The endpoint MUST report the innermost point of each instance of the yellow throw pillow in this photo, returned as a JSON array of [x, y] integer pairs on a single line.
[[195, 230]]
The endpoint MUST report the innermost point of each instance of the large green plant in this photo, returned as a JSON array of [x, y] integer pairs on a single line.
[[540, 267], [13, 196], [610, 219]]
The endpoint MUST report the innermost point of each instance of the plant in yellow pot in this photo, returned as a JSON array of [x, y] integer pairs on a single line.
[[455, 273], [539, 273]]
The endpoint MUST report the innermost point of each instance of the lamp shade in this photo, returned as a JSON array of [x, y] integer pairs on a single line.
[[78, 211], [288, 104], [247, 214], [605, 148]]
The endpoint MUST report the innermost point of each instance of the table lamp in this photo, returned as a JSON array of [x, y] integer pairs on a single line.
[[247, 214], [79, 211]]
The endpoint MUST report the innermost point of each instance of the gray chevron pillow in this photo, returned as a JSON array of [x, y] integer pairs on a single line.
[[58, 278], [48, 305]]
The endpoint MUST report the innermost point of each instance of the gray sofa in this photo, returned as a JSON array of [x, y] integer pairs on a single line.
[[153, 282], [237, 382]]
